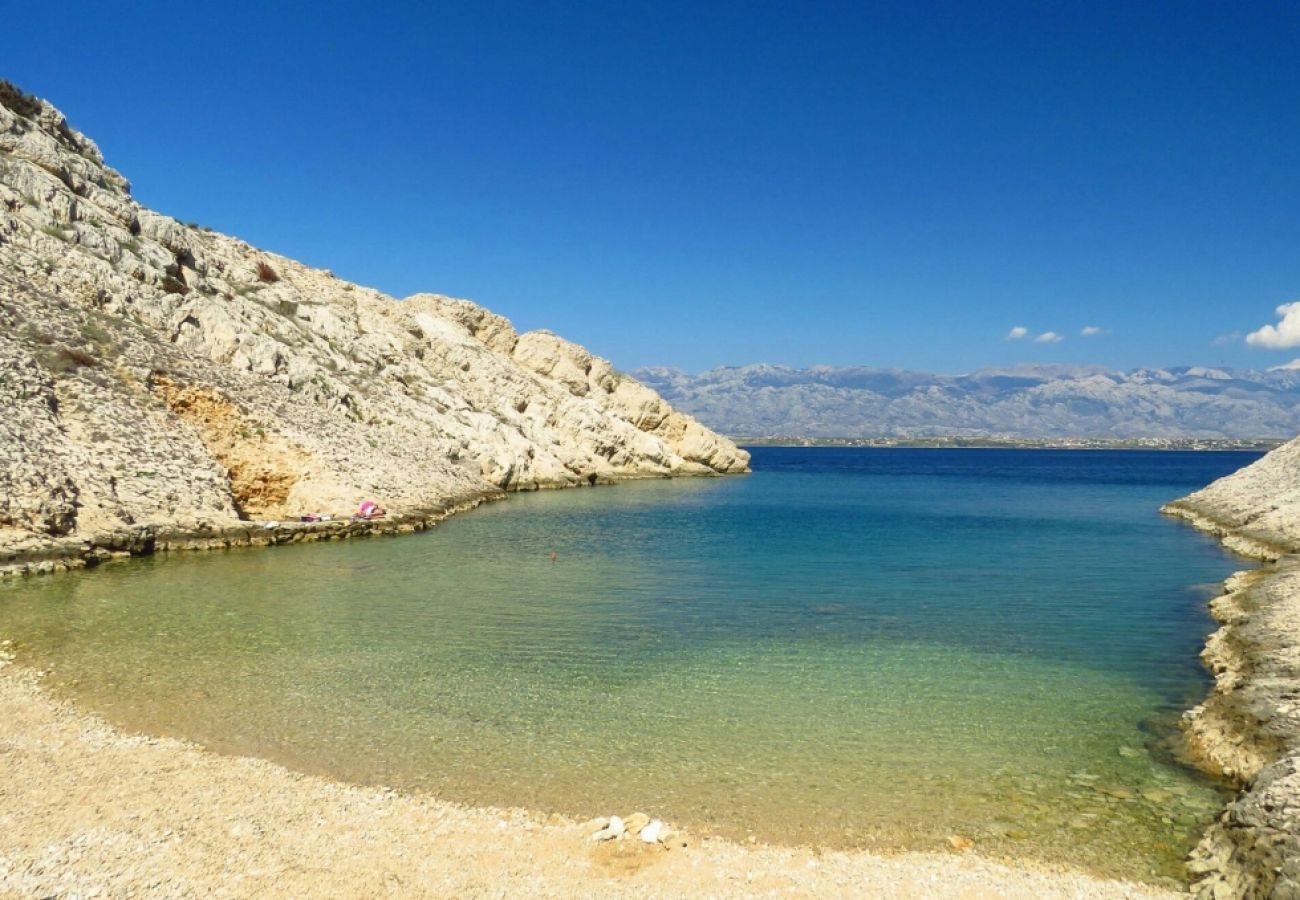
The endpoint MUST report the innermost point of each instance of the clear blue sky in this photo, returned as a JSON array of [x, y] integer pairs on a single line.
[[701, 184]]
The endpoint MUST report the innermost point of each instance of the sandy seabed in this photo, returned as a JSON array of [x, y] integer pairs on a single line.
[[89, 811]]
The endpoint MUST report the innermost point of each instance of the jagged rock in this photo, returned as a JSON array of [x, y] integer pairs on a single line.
[[635, 822], [1248, 728], [611, 831], [168, 382]]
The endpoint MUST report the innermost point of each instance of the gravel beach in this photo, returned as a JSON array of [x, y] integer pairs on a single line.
[[88, 811]]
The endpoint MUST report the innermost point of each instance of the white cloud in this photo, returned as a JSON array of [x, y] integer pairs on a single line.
[[1048, 337], [1285, 334], [1092, 331], [1019, 333], [1292, 366]]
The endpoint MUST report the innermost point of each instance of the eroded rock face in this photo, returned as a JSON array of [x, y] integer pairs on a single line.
[[1248, 728], [159, 374]]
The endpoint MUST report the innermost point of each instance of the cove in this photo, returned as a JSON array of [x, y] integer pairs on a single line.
[[848, 648]]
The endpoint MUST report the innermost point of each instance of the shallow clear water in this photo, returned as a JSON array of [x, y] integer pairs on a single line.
[[850, 647]]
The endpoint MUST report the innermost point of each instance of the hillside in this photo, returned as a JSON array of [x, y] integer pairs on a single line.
[[160, 380], [1019, 402]]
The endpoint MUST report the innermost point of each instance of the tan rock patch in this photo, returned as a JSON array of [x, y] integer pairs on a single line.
[[263, 467]]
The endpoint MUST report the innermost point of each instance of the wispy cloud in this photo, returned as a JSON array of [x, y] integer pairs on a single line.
[[1230, 338], [1093, 331], [1018, 333], [1048, 337], [1286, 333]]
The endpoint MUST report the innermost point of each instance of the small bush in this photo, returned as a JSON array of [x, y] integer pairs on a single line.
[[65, 359], [15, 99], [266, 273], [92, 332], [173, 285], [77, 357]]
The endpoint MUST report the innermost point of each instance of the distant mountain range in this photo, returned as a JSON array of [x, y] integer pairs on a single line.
[[1031, 401]]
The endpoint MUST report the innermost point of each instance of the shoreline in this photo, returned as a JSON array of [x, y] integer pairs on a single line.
[[55, 555], [1170, 445], [66, 554], [1226, 737], [1247, 729], [90, 809]]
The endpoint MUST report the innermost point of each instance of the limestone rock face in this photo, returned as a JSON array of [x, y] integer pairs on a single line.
[[1248, 728], [1257, 509], [163, 375]]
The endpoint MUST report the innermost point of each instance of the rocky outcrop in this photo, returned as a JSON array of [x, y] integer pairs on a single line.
[[1248, 728], [162, 379], [1256, 510]]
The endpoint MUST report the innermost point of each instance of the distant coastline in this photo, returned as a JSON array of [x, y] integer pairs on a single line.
[[1012, 443]]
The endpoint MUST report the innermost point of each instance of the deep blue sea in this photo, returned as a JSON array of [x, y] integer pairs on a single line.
[[849, 647]]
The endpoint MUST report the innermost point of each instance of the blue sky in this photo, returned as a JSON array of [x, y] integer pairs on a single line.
[[702, 184]]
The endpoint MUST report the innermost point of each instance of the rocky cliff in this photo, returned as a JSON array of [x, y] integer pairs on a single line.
[[163, 384], [1248, 729]]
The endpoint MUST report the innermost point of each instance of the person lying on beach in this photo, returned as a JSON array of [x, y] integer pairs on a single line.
[[370, 510]]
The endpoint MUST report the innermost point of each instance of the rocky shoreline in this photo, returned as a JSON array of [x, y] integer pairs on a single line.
[[78, 553], [57, 555], [1248, 729]]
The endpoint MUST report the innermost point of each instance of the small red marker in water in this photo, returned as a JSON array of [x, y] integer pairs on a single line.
[[554, 557]]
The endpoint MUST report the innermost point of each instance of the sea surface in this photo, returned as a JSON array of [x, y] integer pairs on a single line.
[[873, 648]]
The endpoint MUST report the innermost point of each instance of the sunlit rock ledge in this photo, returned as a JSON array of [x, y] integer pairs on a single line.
[[1248, 729], [159, 377]]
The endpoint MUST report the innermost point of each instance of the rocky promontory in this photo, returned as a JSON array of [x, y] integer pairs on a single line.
[[1248, 729], [168, 386]]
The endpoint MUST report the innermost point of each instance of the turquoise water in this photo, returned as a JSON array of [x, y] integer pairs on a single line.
[[875, 648]]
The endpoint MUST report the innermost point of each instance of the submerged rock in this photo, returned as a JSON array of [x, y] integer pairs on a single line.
[[960, 843]]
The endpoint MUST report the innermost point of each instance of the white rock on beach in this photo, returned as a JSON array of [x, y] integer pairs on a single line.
[[613, 830], [650, 834]]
